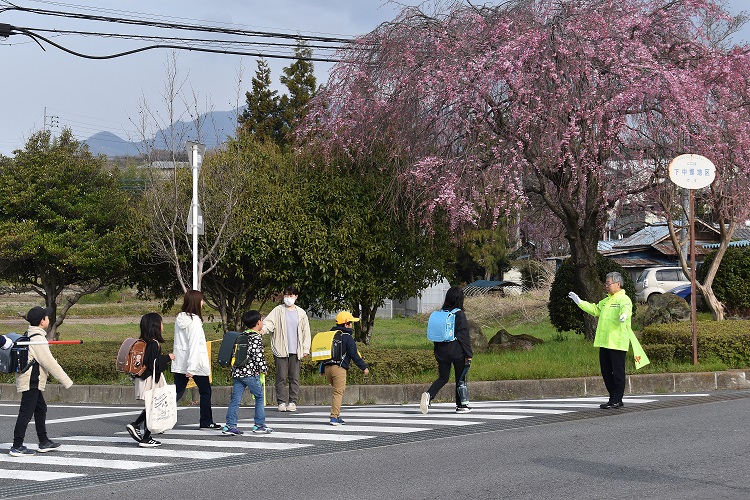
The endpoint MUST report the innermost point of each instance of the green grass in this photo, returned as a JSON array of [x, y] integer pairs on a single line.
[[394, 342]]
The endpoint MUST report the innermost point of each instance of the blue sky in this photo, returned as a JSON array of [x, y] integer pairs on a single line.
[[91, 96]]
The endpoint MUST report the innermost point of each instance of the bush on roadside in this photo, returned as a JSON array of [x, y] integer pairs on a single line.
[[727, 341], [563, 313]]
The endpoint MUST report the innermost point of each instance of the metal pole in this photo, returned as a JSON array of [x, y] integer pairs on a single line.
[[693, 313], [194, 208]]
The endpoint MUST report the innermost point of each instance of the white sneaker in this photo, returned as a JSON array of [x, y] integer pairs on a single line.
[[424, 403], [291, 407], [282, 406]]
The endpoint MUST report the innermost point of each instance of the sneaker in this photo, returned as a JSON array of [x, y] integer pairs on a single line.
[[340, 421], [335, 421], [231, 431], [291, 407], [213, 426], [282, 407], [21, 451], [149, 443], [463, 409], [262, 429], [47, 446], [134, 432], [424, 403]]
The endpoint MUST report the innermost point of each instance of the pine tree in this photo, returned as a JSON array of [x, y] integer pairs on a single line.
[[261, 117], [299, 78]]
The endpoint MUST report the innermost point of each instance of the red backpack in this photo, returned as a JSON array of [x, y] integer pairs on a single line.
[[130, 357]]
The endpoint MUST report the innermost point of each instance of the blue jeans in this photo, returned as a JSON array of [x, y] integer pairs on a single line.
[[256, 389]]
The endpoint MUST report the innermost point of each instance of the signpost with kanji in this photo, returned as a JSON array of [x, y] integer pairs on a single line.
[[692, 172]]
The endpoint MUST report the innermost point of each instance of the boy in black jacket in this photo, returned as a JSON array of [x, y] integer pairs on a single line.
[[335, 371]]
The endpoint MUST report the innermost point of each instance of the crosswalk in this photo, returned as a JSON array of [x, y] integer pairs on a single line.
[[83, 454]]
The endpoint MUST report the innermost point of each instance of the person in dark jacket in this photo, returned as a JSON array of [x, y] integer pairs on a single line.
[[152, 328], [457, 353], [335, 371]]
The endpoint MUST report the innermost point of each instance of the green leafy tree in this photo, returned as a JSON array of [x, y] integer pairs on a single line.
[[261, 117], [369, 253], [732, 282], [563, 313], [299, 78], [63, 222]]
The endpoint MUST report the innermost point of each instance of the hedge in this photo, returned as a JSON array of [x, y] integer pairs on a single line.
[[727, 341], [94, 363]]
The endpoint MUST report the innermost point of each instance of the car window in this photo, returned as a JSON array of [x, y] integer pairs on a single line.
[[667, 275], [642, 276]]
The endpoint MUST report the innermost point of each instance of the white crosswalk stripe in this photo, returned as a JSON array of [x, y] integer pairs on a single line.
[[82, 455]]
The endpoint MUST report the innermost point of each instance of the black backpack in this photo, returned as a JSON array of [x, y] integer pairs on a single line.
[[233, 350], [15, 359]]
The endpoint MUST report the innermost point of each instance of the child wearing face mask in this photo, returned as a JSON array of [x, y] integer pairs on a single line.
[[289, 328]]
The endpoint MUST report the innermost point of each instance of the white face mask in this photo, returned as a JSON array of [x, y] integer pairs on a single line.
[[289, 301]]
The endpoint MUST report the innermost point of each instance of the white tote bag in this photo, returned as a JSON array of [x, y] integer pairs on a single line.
[[161, 405]]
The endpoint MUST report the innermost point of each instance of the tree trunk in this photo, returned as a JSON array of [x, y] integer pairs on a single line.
[[366, 322]]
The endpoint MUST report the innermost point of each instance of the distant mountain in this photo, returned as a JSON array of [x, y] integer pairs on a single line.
[[216, 126]]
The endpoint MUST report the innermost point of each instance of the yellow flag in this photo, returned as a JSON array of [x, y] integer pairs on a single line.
[[639, 355]]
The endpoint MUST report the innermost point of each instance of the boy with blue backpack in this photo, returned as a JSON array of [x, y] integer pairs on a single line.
[[449, 330], [248, 375]]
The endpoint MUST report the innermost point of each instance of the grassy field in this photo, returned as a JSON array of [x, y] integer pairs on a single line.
[[108, 319]]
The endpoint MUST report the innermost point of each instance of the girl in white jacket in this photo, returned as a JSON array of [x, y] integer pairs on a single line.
[[191, 356]]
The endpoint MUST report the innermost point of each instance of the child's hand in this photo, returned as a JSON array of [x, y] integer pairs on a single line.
[[366, 371]]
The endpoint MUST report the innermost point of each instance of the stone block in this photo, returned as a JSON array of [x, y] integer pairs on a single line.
[[552, 388], [650, 383], [732, 379], [381, 394], [8, 393], [595, 386], [77, 394], [690, 382]]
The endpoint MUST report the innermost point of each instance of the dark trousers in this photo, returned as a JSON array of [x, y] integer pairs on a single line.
[[287, 379], [612, 363], [444, 373], [32, 405], [204, 389], [142, 420]]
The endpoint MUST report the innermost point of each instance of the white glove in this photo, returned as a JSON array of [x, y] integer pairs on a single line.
[[623, 317], [574, 297]]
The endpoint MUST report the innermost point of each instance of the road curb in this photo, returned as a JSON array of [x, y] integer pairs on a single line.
[[656, 383]]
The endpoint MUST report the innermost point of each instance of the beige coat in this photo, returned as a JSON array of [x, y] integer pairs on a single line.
[[275, 324], [48, 365]]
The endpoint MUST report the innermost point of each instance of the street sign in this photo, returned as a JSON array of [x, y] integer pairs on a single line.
[[692, 171], [190, 221]]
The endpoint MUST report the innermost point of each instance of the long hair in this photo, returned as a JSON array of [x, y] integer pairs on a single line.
[[151, 328], [192, 303], [454, 298]]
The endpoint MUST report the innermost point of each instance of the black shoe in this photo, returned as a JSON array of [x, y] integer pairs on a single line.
[[47, 446], [617, 405], [607, 405], [211, 426], [134, 432]]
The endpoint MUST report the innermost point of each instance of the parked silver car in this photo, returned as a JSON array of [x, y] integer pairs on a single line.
[[657, 280]]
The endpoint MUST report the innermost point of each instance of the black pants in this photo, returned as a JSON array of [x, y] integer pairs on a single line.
[[204, 389], [612, 363], [444, 374], [142, 420], [32, 405]]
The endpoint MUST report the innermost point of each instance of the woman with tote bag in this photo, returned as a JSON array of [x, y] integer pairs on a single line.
[[156, 362]]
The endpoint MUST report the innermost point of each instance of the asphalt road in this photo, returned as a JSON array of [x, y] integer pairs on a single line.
[[661, 446]]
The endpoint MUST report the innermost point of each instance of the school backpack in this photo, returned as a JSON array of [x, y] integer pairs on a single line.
[[442, 325], [327, 346], [130, 357], [16, 358], [233, 350]]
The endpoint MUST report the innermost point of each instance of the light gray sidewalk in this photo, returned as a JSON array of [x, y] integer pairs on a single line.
[[661, 383]]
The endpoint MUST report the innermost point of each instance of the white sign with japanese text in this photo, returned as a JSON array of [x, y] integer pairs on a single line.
[[692, 171]]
